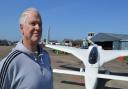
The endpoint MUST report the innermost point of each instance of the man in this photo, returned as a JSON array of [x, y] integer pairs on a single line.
[[28, 65]]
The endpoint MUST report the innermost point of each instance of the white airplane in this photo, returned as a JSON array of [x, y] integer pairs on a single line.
[[93, 58]]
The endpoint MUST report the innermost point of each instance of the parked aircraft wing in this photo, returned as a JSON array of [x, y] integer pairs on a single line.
[[69, 72], [114, 77], [82, 54], [108, 55]]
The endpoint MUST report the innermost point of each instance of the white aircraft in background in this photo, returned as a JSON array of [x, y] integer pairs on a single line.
[[93, 58]]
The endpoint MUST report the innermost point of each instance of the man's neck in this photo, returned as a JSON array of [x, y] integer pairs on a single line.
[[30, 46]]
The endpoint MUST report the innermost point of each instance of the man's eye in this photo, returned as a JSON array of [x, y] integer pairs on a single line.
[[33, 24]]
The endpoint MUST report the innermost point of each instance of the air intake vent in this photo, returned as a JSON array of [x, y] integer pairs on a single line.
[[93, 55]]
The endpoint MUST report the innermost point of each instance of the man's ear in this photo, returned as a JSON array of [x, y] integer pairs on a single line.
[[21, 29]]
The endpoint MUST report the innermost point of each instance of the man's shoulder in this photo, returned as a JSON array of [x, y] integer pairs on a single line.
[[10, 57]]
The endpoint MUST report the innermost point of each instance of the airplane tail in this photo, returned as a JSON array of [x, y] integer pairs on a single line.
[[48, 35]]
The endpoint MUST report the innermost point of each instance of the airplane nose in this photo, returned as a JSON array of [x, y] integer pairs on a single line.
[[93, 55]]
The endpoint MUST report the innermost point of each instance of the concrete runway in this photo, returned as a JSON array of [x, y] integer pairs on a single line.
[[67, 61]]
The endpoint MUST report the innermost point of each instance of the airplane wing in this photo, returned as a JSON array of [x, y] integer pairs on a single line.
[[108, 55], [69, 72], [81, 54], [114, 77]]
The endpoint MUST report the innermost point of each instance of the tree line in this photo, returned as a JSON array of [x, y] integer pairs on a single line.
[[7, 42]]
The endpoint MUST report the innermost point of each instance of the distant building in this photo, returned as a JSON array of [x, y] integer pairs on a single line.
[[111, 41], [53, 42], [73, 43], [77, 43], [67, 42]]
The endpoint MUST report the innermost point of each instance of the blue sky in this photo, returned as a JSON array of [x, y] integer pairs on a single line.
[[71, 19]]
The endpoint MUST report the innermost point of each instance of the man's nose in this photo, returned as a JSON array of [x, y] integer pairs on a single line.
[[37, 27]]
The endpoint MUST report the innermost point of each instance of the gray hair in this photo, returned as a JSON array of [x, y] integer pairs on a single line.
[[26, 13]]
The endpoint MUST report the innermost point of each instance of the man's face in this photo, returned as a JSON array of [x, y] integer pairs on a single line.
[[32, 28]]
